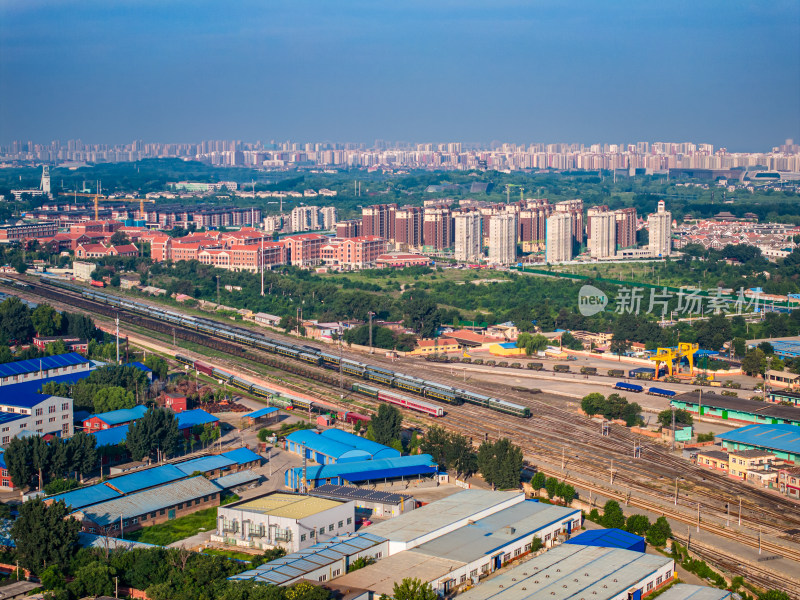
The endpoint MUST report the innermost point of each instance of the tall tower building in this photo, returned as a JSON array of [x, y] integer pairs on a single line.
[[305, 218], [378, 219], [575, 209], [408, 226], [45, 179], [559, 237], [626, 227], [468, 236], [437, 227], [602, 233], [503, 239], [328, 217], [659, 225]]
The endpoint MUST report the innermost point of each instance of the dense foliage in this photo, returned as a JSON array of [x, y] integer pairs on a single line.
[[156, 432], [613, 407], [57, 459], [500, 463], [450, 451]]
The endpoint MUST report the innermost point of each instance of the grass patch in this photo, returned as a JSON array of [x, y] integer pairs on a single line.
[[181, 528], [230, 554]]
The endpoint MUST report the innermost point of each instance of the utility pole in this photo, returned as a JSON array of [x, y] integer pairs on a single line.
[[261, 260], [370, 331], [673, 426], [612, 471], [341, 373], [728, 514], [217, 289], [740, 511], [698, 517], [562, 459], [116, 320], [676, 491]]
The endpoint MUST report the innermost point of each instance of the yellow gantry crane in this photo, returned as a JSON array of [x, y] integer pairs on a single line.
[[100, 198], [672, 358]]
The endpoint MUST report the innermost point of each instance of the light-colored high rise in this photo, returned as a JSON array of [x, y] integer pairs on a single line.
[[328, 217], [503, 239], [468, 236], [45, 179], [559, 237], [659, 226], [305, 218], [602, 233]]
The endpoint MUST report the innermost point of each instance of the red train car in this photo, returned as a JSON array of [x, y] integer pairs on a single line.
[[100, 284], [412, 403], [352, 417], [203, 367]]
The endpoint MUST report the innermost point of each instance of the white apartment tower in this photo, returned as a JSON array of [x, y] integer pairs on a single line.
[[305, 218], [45, 179], [328, 217], [558, 237], [503, 238], [602, 234], [468, 236], [659, 225]]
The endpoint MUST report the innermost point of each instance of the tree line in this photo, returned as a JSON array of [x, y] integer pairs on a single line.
[[32, 457], [612, 408]]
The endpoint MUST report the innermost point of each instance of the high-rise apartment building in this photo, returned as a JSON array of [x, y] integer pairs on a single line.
[[408, 226], [531, 222], [626, 227], [575, 209], [559, 237], [468, 240], [659, 225], [437, 227], [503, 239], [378, 219], [327, 217], [305, 218], [602, 230]]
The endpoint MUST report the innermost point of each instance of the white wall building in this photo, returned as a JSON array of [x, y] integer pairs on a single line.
[[83, 270], [503, 239], [467, 236], [558, 236], [290, 521], [327, 217], [305, 218], [602, 235], [659, 226], [35, 413]]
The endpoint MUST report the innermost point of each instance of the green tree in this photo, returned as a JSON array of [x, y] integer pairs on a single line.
[[612, 516], [567, 493], [681, 416], [551, 486], [754, 362], [739, 347], [15, 320], [156, 430], [46, 320], [500, 463], [437, 443], [774, 595], [19, 460], [59, 486], [385, 426], [412, 589], [421, 314], [592, 404], [112, 398], [82, 452], [360, 563], [659, 532], [94, 579], [638, 524], [40, 453], [45, 535], [538, 481], [158, 365]]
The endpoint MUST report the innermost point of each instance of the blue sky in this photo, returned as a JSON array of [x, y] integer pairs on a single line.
[[417, 70]]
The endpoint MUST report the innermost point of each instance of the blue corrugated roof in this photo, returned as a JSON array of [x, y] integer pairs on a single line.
[[234, 479], [123, 415], [326, 446], [111, 436], [198, 416], [2, 459], [241, 456], [609, 538], [148, 478], [33, 365], [86, 496], [35, 385], [139, 365], [8, 417], [507, 345], [261, 412], [372, 469], [22, 399], [784, 438], [204, 464], [374, 448]]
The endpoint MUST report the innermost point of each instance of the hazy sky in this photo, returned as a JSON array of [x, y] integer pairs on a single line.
[[721, 71]]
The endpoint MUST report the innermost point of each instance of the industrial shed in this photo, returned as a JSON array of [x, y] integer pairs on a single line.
[[368, 502], [782, 440], [113, 418], [382, 470], [356, 441], [728, 408], [323, 450], [234, 480], [262, 416], [685, 591], [93, 494], [150, 507], [609, 538], [145, 479]]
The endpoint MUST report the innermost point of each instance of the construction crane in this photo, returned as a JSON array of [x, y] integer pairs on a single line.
[[97, 199], [508, 192], [141, 202], [673, 356]]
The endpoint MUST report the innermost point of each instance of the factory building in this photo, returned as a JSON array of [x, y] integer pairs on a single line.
[[573, 572], [113, 418], [150, 507], [43, 368], [729, 408], [469, 552], [290, 521], [781, 441], [685, 591], [609, 538], [320, 562], [368, 503], [336, 446], [442, 517], [382, 470]]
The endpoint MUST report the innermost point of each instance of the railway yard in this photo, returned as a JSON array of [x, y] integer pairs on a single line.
[[553, 436]]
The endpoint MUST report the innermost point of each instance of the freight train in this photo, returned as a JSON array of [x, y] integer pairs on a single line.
[[636, 388], [303, 353]]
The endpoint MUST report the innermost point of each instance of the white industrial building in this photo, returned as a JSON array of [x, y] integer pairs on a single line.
[[368, 503], [470, 552], [441, 517], [280, 519], [573, 572], [558, 237]]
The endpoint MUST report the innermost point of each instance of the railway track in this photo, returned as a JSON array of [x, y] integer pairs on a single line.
[[549, 434]]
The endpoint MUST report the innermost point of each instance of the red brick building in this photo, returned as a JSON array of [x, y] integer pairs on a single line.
[[305, 250], [353, 252], [73, 344]]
